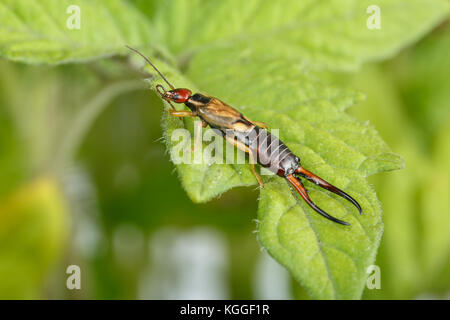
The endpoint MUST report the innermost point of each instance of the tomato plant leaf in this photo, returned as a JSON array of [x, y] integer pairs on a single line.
[[47, 31]]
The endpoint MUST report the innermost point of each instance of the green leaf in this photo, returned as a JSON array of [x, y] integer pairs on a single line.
[[329, 260], [331, 34], [37, 31], [265, 63], [329, 142], [268, 59]]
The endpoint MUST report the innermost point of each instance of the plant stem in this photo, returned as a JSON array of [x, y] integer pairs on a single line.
[[84, 119]]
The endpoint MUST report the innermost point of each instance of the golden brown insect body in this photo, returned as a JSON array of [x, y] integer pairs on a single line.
[[250, 137]]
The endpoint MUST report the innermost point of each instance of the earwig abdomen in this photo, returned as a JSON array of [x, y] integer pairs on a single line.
[[270, 152]]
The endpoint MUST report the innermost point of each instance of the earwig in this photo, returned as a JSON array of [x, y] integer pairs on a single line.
[[251, 137]]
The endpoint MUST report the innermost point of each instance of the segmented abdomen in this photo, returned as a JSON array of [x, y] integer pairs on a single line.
[[269, 151]]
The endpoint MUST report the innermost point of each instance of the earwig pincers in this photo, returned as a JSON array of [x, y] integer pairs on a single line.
[[249, 136]]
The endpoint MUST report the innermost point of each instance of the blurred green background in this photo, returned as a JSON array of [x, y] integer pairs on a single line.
[[118, 211]]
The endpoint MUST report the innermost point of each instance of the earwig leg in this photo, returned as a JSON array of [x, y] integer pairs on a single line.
[[252, 166], [173, 108], [246, 149], [182, 114], [326, 185], [256, 123], [298, 185]]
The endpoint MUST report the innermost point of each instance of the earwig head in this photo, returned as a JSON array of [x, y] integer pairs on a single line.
[[179, 95]]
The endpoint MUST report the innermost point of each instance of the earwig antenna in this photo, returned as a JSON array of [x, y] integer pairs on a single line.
[[149, 62]]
